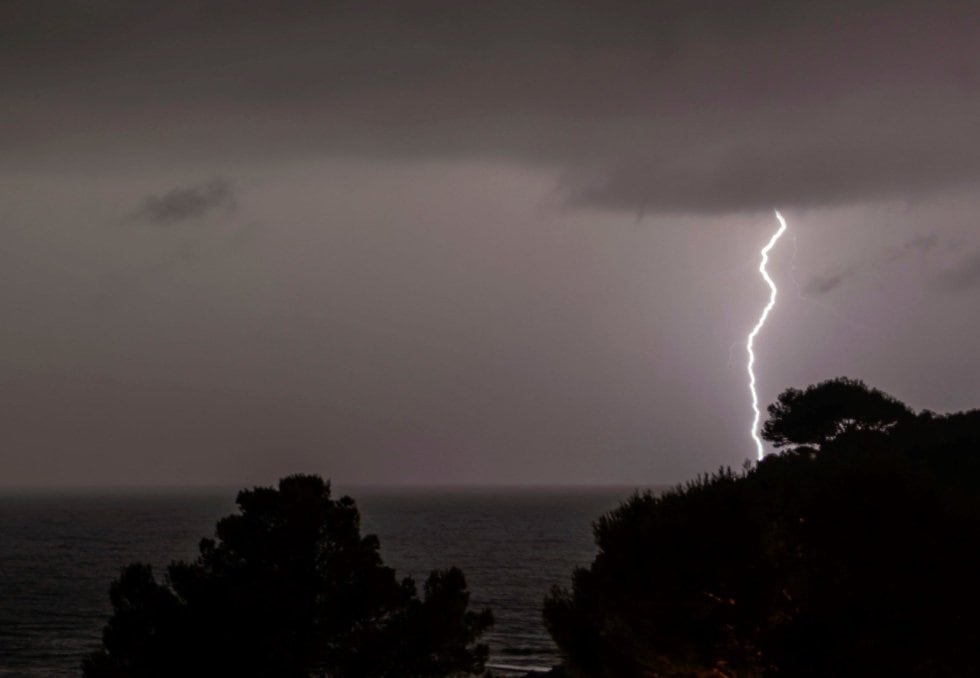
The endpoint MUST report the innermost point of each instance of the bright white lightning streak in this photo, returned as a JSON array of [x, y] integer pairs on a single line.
[[754, 431]]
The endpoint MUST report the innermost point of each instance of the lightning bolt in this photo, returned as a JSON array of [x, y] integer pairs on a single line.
[[754, 431]]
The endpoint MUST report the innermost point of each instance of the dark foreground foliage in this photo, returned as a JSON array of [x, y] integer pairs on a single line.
[[857, 558], [289, 588]]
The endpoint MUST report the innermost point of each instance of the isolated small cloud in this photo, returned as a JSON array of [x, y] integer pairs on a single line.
[[823, 284], [183, 204], [965, 275], [922, 243], [819, 285]]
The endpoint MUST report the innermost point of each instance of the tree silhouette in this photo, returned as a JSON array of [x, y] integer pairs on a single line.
[[857, 561], [831, 408], [289, 587]]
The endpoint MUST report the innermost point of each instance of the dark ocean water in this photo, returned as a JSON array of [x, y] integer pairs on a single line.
[[60, 551]]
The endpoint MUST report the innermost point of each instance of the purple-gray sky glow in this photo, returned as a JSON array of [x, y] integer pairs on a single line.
[[443, 242]]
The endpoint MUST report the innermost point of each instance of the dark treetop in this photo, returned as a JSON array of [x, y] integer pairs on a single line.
[[289, 588]]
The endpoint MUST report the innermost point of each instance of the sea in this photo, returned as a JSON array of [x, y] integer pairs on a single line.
[[60, 550]]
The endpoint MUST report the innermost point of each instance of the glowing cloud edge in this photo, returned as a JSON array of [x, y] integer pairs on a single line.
[[764, 253]]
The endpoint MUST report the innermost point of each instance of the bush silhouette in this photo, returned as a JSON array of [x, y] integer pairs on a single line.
[[289, 587], [857, 561]]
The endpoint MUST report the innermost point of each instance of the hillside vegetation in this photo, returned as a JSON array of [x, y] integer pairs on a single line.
[[852, 552]]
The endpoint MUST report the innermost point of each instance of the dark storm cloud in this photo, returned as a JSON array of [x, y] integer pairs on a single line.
[[964, 276], [667, 106], [182, 204]]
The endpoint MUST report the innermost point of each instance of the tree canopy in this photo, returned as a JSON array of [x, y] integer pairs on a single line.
[[289, 587], [860, 560], [831, 408]]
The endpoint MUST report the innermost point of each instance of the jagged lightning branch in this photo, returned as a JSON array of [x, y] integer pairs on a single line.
[[754, 431]]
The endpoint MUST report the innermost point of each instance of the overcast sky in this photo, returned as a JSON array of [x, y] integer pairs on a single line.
[[507, 242]]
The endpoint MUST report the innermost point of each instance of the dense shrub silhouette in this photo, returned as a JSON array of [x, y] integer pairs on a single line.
[[289, 587], [859, 559]]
